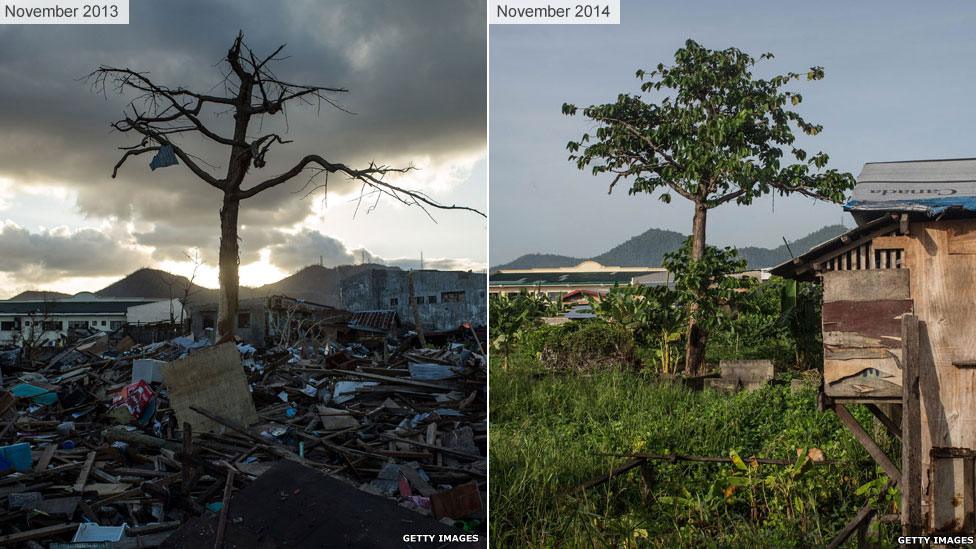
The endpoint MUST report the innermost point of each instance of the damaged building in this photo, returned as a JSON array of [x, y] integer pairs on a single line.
[[442, 300], [274, 320]]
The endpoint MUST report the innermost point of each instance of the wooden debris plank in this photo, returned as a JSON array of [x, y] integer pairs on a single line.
[[40, 533], [85, 470], [390, 379], [45, 458], [868, 318]]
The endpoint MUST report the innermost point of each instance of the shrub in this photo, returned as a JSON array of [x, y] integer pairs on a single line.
[[588, 345]]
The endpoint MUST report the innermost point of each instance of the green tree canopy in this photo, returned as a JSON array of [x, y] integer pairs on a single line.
[[711, 133]]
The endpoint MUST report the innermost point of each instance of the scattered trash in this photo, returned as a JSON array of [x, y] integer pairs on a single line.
[[107, 432], [91, 532]]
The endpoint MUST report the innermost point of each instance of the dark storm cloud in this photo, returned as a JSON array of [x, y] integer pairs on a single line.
[[310, 247], [415, 71], [49, 255]]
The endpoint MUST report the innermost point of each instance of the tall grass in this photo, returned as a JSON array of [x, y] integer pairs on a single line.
[[548, 433]]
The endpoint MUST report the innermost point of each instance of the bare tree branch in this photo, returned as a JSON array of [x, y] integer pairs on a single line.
[[371, 177]]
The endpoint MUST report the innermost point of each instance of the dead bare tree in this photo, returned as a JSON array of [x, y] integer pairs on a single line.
[[160, 115], [188, 286]]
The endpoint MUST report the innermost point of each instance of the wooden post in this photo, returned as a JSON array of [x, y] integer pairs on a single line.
[[911, 430]]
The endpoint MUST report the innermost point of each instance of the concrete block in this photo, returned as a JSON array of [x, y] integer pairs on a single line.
[[747, 374]]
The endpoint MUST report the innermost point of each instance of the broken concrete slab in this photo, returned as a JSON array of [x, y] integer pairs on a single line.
[[214, 380], [719, 384], [747, 374]]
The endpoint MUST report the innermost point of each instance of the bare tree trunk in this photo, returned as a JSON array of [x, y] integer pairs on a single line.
[[696, 337], [229, 279]]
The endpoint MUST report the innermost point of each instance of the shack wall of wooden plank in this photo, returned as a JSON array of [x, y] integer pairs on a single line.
[[915, 255]]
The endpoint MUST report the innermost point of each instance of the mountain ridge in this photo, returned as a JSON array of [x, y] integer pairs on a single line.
[[648, 249], [314, 283]]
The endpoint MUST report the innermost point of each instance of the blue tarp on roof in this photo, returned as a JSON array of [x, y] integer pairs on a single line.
[[928, 187], [929, 206]]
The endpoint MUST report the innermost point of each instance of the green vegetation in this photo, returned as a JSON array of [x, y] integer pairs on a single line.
[[575, 399], [552, 432], [711, 132]]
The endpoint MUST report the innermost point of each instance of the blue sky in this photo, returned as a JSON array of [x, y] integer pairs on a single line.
[[898, 86]]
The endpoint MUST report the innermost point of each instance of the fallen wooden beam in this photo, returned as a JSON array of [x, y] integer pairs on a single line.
[[388, 379], [613, 473], [451, 451], [40, 533], [85, 470]]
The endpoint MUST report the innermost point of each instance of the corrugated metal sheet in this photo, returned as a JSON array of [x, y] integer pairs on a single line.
[[374, 321], [929, 187]]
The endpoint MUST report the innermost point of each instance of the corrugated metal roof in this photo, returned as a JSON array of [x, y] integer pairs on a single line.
[[374, 321], [924, 186], [558, 278]]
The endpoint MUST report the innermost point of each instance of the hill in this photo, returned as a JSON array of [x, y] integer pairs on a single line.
[[314, 283], [531, 261], [648, 248], [39, 295], [152, 283]]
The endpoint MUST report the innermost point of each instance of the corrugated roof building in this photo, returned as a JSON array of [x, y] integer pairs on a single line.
[[899, 330]]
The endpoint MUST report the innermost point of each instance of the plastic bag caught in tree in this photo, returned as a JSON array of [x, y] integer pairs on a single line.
[[165, 157]]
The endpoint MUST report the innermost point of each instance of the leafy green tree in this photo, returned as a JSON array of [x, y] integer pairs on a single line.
[[510, 316], [706, 286], [712, 133]]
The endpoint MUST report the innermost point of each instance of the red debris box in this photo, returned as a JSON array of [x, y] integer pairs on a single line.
[[135, 397], [459, 502]]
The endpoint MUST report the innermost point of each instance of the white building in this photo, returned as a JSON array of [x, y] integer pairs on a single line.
[[47, 321], [157, 311]]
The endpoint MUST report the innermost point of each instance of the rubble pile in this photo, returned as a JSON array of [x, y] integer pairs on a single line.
[[122, 444]]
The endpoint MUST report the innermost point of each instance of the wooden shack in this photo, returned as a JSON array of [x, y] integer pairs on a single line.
[[899, 331]]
